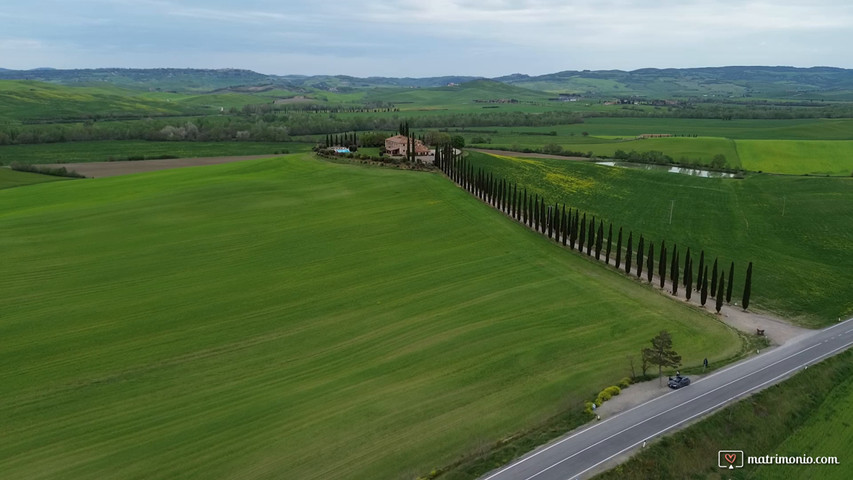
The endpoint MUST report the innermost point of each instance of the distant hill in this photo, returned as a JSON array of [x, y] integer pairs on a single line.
[[475, 91], [814, 83], [755, 81]]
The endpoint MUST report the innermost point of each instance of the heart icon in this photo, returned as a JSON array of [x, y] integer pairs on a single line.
[[731, 457]]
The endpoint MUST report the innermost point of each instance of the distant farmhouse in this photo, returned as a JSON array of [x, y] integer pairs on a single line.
[[398, 144]]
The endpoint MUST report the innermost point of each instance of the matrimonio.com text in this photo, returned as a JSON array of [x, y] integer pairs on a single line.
[[732, 459]]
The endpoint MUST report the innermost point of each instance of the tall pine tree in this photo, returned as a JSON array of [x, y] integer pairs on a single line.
[[651, 262], [599, 240], [701, 268], [628, 252], [619, 249], [704, 282], [714, 280], [662, 264], [609, 241], [720, 292], [582, 235], [673, 271], [687, 278], [731, 281], [688, 275], [747, 286], [590, 239], [641, 247]]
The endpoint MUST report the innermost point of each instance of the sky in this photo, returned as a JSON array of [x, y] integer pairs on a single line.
[[424, 38]]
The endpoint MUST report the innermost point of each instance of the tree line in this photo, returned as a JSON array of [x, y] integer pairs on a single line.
[[571, 227]]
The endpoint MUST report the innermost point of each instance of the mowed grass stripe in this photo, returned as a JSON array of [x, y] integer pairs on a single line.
[[294, 318]]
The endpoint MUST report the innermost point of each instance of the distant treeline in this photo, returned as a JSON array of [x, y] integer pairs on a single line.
[[273, 127]]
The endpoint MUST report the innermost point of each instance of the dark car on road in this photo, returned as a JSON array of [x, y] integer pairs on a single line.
[[678, 381]]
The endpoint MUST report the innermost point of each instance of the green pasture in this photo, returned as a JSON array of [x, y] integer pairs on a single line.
[[798, 231], [797, 156], [800, 129], [74, 152], [11, 178], [826, 432], [807, 414], [291, 318]]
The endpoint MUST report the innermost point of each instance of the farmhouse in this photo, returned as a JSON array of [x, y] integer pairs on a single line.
[[398, 144]]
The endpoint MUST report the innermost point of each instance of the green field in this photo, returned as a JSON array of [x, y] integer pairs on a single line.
[[11, 178], [807, 414], [73, 152], [797, 156], [35, 101], [798, 231], [290, 318]]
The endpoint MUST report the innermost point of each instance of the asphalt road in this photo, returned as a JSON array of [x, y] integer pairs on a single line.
[[587, 452]]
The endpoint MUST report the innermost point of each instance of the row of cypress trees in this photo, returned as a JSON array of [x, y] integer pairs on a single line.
[[344, 139], [571, 228]]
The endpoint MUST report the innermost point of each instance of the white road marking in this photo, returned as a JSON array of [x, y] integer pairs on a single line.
[[522, 460], [667, 411], [706, 410]]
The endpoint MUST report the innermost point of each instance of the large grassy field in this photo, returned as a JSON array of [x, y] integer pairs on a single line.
[[73, 152], [290, 318], [11, 178], [797, 156], [798, 231], [808, 414]]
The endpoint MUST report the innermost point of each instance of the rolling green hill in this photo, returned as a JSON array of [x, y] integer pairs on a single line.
[[38, 101], [295, 318]]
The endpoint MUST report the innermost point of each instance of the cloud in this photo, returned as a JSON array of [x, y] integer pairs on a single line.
[[477, 37]]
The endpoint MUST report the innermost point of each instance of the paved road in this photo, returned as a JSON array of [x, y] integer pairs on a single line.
[[582, 454]]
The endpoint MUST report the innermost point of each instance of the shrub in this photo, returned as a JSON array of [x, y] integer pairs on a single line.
[[625, 383], [607, 394]]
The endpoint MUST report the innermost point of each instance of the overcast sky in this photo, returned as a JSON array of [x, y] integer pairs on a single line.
[[421, 38]]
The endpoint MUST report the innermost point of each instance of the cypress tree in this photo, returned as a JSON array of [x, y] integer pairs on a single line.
[[524, 207], [687, 260], [720, 292], [701, 268], [628, 253], [576, 227], [641, 247], [609, 241], [747, 286], [651, 262], [688, 275], [582, 235], [543, 215], [704, 282], [731, 281], [662, 264], [714, 280], [673, 270], [590, 240], [619, 249], [557, 222], [599, 240], [565, 225]]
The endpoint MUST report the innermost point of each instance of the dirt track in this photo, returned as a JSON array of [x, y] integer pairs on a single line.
[[112, 169]]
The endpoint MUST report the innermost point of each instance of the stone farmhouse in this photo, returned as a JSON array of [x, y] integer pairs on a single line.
[[397, 145]]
